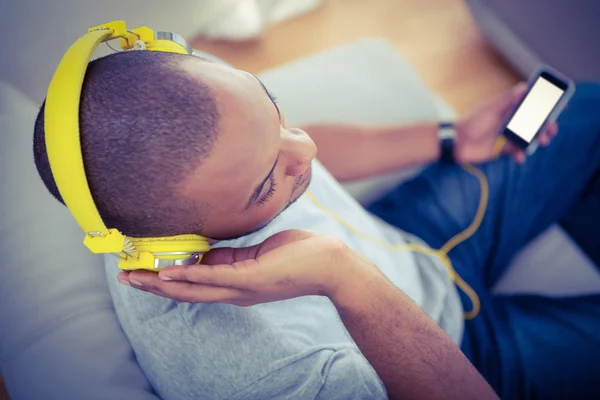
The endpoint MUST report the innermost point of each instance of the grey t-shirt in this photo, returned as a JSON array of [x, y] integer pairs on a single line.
[[292, 349]]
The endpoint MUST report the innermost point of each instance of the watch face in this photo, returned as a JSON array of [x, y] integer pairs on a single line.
[[446, 131]]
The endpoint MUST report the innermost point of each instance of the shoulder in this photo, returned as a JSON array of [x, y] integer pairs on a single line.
[[290, 348]]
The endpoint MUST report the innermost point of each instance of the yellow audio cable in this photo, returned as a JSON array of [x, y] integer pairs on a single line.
[[442, 253]]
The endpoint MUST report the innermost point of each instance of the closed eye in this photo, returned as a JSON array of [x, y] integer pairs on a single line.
[[264, 199]]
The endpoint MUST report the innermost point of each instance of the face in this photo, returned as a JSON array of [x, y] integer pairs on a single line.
[[258, 166]]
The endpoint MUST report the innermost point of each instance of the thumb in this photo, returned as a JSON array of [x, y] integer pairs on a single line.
[[228, 255], [515, 152], [517, 92], [283, 238], [512, 97]]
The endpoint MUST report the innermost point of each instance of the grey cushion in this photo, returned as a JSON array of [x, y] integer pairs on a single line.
[[60, 337]]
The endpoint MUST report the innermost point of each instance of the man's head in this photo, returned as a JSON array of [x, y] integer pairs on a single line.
[[174, 144]]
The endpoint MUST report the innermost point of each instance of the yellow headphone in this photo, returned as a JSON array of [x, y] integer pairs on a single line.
[[66, 162]]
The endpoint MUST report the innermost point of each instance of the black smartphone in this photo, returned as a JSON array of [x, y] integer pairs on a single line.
[[548, 94]]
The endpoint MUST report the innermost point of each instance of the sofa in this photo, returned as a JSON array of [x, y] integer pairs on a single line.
[[563, 34], [60, 337]]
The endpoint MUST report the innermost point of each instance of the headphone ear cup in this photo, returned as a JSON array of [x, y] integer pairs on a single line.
[[149, 262], [160, 252]]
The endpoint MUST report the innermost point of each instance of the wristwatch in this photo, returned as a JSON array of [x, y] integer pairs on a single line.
[[447, 136]]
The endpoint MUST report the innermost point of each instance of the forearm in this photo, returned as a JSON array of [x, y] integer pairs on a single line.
[[414, 358], [358, 151]]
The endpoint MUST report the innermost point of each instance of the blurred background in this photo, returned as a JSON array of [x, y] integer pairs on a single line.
[[465, 50]]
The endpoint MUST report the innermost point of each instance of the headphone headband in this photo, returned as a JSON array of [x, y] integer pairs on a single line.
[[61, 126]]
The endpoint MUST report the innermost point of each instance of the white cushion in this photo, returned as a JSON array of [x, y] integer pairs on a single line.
[[552, 264]]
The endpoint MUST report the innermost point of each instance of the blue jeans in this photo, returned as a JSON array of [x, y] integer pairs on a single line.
[[526, 346]]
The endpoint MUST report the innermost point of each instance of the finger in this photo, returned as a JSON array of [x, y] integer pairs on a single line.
[[225, 255], [141, 278], [519, 90], [515, 152], [122, 277], [516, 93], [284, 237], [553, 129], [509, 148], [546, 136], [229, 256], [512, 96], [190, 292], [520, 157], [235, 275], [195, 293], [544, 139]]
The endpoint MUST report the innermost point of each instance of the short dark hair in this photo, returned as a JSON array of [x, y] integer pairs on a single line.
[[145, 125]]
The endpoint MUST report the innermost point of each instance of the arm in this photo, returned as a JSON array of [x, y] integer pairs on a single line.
[[413, 357], [358, 151]]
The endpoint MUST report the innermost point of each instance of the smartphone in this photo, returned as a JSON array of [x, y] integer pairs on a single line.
[[548, 94]]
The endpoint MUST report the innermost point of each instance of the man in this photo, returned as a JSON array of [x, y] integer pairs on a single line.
[[173, 145]]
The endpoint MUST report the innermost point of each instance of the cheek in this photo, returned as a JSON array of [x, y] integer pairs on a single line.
[[253, 219], [259, 216], [262, 214]]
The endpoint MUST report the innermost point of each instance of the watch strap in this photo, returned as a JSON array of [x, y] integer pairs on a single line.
[[447, 136]]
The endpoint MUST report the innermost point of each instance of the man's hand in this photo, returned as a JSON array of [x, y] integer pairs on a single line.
[[478, 131], [289, 264]]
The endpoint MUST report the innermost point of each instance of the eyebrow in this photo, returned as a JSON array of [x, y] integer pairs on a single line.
[[270, 96], [260, 187]]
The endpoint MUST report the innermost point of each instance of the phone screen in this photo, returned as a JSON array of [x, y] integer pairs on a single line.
[[535, 108]]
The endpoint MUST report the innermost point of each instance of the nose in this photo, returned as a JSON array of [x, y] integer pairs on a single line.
[[298, 149]]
